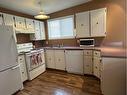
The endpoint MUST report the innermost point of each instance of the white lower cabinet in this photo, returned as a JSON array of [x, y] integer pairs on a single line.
[[21, 61], [60, 59], [55, 59], [96, 63], [88, 62], [50, 59], [74, 61]]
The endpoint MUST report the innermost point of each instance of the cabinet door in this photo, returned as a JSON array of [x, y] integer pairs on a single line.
[[8, 19], [1, 19], [60, 59], [29, 24], [37, 30], [42, 31], [82, 25], [50, 59], [96, 67], [88, 65], [74, 61], [23, 70], [19, 22], [98, 22]]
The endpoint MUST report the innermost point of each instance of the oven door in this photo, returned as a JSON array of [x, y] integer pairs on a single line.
[[34, 60]]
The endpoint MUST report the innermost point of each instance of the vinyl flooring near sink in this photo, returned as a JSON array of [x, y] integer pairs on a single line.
[[54, 82]]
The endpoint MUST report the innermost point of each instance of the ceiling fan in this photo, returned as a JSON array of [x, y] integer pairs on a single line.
[[41, 14]]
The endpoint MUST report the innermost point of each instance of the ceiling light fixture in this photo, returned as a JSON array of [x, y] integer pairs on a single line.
[[41, 14]]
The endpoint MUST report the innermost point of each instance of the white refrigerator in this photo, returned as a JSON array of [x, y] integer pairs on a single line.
[[10, 78]]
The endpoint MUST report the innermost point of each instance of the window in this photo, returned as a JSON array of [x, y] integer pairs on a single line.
[[61, 28]]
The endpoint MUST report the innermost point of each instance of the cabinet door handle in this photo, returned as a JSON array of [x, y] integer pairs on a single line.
[[82, 24], [59, 60], [100, 60]]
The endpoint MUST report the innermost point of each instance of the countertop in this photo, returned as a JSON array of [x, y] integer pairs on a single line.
[[105, 51]]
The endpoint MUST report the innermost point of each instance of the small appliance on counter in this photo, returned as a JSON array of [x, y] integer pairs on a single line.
[[87, 42]]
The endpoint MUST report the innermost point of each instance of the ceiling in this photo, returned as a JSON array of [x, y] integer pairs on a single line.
[[31, 7]]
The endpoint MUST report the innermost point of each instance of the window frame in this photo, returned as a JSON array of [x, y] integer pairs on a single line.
[[65, 37]]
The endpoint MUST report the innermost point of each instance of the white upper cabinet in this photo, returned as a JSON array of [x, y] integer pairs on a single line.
[[19, 22], [8, 19], [30, 25], [1, 19], [42, 31], [98, 22], [82, 25], [39, 30]]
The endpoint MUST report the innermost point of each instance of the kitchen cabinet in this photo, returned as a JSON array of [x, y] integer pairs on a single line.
[[55, 59], [1, 19], [82, 25], [88, 62], [96, 63], [42, 31], [74, 61], [98, 22], [39, 31], [30, 25], [8, 19], [60, 59], [50, 60], [20, 22], [23, 70]]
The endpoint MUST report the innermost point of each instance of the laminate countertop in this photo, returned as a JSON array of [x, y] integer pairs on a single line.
[[105, 51]]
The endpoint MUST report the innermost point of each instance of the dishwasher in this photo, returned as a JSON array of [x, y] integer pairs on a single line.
[[74, 61]]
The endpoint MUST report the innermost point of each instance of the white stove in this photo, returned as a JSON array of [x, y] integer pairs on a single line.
[[35, 59]]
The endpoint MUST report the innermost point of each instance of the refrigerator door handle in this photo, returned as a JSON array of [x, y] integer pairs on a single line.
[[15, 67]]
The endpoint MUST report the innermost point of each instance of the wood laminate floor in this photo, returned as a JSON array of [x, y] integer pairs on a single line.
[[61, 83]]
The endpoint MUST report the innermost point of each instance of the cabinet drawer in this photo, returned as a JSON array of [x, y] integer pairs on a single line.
[[88, 69], [88, 52], [97, 54]]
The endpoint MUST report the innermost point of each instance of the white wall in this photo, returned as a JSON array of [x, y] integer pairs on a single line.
[[114, 80]]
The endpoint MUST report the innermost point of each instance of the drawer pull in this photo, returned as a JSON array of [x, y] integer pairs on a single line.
[[20, 59], [59, 60], [87, 65]]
